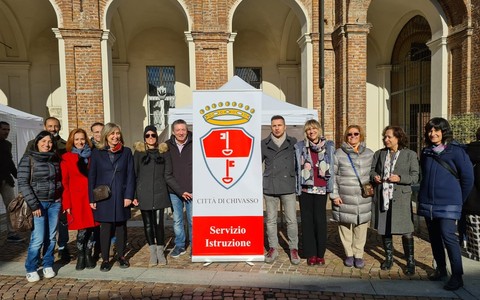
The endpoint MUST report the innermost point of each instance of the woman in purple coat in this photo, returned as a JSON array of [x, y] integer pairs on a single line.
[[112, 164]]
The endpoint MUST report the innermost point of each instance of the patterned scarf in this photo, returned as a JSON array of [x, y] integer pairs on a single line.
[[323, 163], [387, 187]]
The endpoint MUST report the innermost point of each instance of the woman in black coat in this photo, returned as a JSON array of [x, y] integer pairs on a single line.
[[153, 168], [112, 164]]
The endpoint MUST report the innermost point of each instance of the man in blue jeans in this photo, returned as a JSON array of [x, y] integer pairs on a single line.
[[180, 145]]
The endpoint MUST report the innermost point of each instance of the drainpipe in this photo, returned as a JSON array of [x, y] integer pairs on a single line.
[[322, 65]]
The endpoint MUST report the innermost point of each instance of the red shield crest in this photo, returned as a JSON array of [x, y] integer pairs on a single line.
[[227, 153]]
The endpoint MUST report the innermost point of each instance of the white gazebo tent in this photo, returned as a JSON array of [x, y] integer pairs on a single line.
[[295, 116]]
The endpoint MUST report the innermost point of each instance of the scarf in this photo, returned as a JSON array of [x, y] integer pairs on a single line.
[[323, 163], [439, 149], [279, 141], [387, 187], [84, 153], [152, 153], [115, 149]]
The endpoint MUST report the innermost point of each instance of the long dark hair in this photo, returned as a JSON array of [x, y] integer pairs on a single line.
[[438, 124]]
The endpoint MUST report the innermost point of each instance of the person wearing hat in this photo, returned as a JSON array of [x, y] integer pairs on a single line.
[[153, 168]]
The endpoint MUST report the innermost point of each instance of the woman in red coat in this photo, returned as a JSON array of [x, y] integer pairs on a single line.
[[75, 201]]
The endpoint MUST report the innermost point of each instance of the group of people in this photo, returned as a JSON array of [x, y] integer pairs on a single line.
[[58, 180], [366, 188], [59, 177]]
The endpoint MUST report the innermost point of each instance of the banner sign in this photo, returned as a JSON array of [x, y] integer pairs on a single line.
[[227, 176]]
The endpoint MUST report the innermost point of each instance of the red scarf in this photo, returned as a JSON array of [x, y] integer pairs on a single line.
[[117, 148]]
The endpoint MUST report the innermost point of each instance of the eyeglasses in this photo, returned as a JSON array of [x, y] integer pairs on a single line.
[[353, 134], [148, 135]]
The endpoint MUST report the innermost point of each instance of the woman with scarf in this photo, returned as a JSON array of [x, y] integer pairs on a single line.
[[351, 210], [394, 169], [314, 167], [74, 166], [112, 164], [447, 179], [153, 168]]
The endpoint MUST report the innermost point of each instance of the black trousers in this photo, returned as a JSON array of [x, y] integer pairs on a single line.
[[120, 230], [314, 224], [153, 226]]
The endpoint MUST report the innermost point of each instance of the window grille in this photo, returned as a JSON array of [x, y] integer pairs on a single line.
[[161, 94]]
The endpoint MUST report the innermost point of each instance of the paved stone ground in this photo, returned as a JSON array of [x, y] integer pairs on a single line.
[[17, 288]]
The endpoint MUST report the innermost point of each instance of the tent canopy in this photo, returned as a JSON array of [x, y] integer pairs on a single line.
[[295, 116], [23, 128]]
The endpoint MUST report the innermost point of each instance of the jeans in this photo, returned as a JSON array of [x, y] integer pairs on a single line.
[[46, 223], [178, 226], [289, 203]]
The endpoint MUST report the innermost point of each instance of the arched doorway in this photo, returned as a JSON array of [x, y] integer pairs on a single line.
[[410, 80]]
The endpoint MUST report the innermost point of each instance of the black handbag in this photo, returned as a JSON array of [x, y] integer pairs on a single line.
[[103, 191]]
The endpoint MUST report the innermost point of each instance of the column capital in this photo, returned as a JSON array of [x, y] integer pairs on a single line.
[[437, 44], [188, 36], [79, 34], [384, 67], [304, 39]]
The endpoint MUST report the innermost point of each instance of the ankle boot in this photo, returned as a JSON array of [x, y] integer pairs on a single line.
[[408, 248], [80, 260], [161, 255], [90, 262], [439, 274], [153, 256], [388, 247]]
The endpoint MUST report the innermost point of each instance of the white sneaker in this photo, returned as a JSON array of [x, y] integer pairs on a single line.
[[48, 273], [33, 277]]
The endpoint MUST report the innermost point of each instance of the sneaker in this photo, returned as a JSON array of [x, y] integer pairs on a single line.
[[271, 255], [349, 261], [359, 263], [14, 239], [294, 258], [33, 277], [176, 252], [48, 272]]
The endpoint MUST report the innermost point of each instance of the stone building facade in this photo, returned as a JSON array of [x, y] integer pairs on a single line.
[[384, 61]]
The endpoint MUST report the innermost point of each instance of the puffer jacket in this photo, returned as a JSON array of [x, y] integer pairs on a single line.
[[45, 182], [153, 168], [355, 209], [441, 194]]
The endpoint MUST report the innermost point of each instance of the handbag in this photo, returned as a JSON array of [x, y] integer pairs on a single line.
[[20, 214], [21, 217], [103, 191], [367, 188]]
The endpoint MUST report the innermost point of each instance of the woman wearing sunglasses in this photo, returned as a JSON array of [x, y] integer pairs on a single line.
[[394, 170], [352, 166], [153, 168], [75, 203]]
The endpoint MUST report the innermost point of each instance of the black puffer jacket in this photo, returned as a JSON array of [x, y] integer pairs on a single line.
[[45, 183]]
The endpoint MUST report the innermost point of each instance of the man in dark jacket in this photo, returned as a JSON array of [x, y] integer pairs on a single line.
[[7, 173], [180, 146], [52, 125], [278, 154]]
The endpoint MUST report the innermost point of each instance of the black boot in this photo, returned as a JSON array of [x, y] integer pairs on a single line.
[[408, 249], [439, 274], [454, 283], [80, 260], [90, 261], [64, 255], [388, 247]]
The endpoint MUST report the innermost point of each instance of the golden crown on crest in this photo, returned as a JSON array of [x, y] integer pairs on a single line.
[[227, 113]]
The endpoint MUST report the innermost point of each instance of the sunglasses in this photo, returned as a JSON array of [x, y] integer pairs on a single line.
[[353, 134], [153, 135]]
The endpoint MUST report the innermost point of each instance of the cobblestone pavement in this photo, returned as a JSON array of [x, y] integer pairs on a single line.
[[17, 288]]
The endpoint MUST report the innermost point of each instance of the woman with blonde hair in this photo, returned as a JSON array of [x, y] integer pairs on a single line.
[[352, 165], [74, 165], [111, 164], [314, 168]]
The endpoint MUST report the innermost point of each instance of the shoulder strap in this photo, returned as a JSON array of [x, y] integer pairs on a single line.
[[113, 175], [446, 166], [354, 169]]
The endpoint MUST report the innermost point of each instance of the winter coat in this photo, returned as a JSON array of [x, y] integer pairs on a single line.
[[441, 195], [182, 163], [122, 187], [355, 209], [45, 182], [279, 173], [472, 205], [401, 205], [299, 148], [153, 168], [7, 167], [75, 193]]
